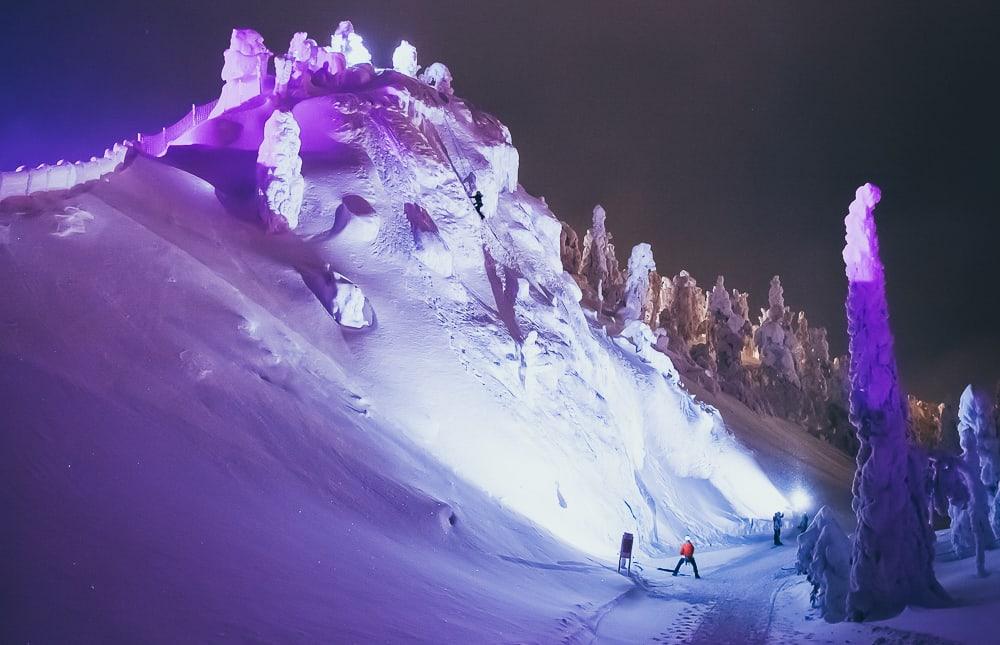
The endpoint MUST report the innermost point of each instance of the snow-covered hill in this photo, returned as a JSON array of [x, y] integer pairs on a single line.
[[388, 418]]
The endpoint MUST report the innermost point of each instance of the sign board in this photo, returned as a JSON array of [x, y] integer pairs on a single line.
[[625, 554]]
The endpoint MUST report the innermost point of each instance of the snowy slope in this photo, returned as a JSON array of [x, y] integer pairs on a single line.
[[205, 438]]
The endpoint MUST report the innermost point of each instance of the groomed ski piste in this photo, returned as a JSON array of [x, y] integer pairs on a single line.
[[353, 410]]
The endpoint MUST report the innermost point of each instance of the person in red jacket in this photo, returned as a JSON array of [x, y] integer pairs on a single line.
[[687, 555]]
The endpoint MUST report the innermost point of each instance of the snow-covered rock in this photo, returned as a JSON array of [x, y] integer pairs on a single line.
[[279, 172]]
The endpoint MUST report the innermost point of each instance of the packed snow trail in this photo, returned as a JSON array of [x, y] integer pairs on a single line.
[[735, 603], [731, 603]]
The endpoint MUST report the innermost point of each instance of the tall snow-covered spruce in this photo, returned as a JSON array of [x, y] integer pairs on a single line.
[[893, 550]]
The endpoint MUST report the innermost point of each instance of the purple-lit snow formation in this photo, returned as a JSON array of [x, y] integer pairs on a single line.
[[893, 551]]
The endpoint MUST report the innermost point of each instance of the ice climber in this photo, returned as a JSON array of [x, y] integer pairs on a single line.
[[687, 555], [777, 527], [803, 523], [477, 200]]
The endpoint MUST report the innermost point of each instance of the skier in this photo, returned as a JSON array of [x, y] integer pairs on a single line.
[[777, 527], [687, 555], [803, 523], [477, 201]]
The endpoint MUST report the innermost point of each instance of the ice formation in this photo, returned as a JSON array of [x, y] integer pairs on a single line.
[[640, 265], [893, 549], [345, 41], [404, 59], [244, 69], [279, 172], [824, 556]]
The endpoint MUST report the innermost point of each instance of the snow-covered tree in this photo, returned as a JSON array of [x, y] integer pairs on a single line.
[[569, 250], [813, 365], [893, 549], [345, 41], [924, 423], [687, 311], [600, 263], [975, 417], [595, 246], [243, 70], [988, 435], [404, 59], [280, 186], [824, 556], [950, 496], [775, 340], [657, 298], [438, 76], [727, 331], [308, 56], [640, 265]]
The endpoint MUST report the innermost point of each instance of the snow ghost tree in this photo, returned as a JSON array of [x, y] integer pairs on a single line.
[[640, 265], [307, 56], [824, 555], [774, 337], [950, 496], [893, 549], [244, 69], [813, 365], [974, 413], [687, 311], [280, 186], [350, 44], [595, 246], [569, 250], [656, 299], [404, 59], [727, 330], [438, 76]]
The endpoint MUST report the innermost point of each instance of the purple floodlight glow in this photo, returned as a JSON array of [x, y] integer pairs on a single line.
[[893, 550]]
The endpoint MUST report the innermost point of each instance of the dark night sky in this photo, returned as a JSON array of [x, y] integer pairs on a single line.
[[731, 136]]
